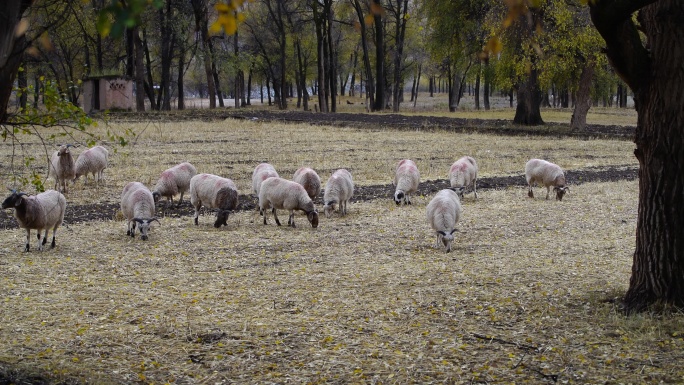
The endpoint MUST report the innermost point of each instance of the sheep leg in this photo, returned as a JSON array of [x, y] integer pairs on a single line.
[[54, 234], [529, 191], [343, 208], [475, 187], [290, 221], [548, 191], [28, 238], [275, 215], [40, 245], [180, 200], [45, 237]]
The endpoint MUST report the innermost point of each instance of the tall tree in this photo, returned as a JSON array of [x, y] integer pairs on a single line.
[[378, 12], [652, 67], [202, 26]]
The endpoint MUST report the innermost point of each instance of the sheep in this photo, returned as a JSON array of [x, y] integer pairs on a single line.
[[62, 166], [547, 174], [261, 172], [308, 178], [91, 161], [463, 173], [406, 180], [443, 212], [338, 189], [39, 212], [173, 181], [213, 192], [279, 193], [137, 205]]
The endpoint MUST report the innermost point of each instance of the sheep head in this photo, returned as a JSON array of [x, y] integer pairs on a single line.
[[447, 239], [328, 208], [222, 218], [312, 216], [561, 191], [398, 197], [144, 226], [14, 200]]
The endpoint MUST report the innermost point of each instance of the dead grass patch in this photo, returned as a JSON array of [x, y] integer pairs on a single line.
[[528, 294]]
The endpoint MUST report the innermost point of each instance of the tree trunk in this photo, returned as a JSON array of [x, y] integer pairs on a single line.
[[415, 100], [202, 25], [379, 59], [656, 77], [333, 60], [487, 87], [139, 72], [149, 88], [180, 85], [583, 97], [400, 31], [528, 111], [11, 50], [368, 81], [22, 83], [477, 86]]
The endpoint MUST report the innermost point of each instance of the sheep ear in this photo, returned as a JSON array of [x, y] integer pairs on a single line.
[[567, 189], [138, 220], [442, 232], [154, 220], [453, 231]]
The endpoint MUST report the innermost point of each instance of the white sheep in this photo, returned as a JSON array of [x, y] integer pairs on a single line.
[[279, 193], [213, 192], [443, 212], [338, 190], [137, 205], [173, 181], [547, 174], [62, 166], [406, 180], [91, 161], [261, 173], [463, 173], [308, 178], [38, 212]]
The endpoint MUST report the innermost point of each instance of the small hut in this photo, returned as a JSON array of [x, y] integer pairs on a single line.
[[108, 92]]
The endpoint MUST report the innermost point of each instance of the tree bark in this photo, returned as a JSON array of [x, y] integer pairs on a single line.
[[379, 59], [202, 25], [527, 111], [139, 72], [400, 31], [368, 81], [583, 97], [11, 50], [656, 76]]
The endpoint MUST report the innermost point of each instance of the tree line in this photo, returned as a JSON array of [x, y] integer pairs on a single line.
[[318, 50]]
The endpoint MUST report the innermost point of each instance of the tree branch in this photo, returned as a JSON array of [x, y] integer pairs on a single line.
[[624, 48]]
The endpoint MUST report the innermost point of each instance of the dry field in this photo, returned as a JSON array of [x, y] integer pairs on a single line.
[[528, 294]]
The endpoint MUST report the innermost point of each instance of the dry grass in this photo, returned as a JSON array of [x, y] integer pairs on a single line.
[[525, 296]]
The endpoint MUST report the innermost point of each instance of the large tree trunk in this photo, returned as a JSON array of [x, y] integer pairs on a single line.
[[528, 111], [400, 31], [583, 97], [11, 50], [202, 25], [656, 76]]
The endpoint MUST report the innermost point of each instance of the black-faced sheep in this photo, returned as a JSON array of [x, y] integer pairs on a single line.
[[463, 173], [308, 178], [62, 167], [137, 205], [213, 192], [338, 190], [279, 193], [38, 212], [91, 161], [173, 181], [546, 174], [443, 212], [406, 181]]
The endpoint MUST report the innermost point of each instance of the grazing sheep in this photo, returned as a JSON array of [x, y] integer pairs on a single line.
[[338, 189], [137, 205], [279, 193], [213, 192], [463, 173], [91, 161], [173, 181], [443, 212], [62, 166], [260, 174], [39, 212], [547, 174], [406, 180], [308, 178]]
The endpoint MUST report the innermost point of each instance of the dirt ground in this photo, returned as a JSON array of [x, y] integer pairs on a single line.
[[104, 211]]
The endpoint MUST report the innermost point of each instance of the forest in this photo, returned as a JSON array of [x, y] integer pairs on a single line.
[[308, 55]]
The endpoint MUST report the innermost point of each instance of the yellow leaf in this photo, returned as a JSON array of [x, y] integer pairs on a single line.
[[215, 28], [221, 7], [368, 19]]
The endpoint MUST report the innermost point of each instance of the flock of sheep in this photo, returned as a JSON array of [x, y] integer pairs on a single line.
[[45, 211]]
